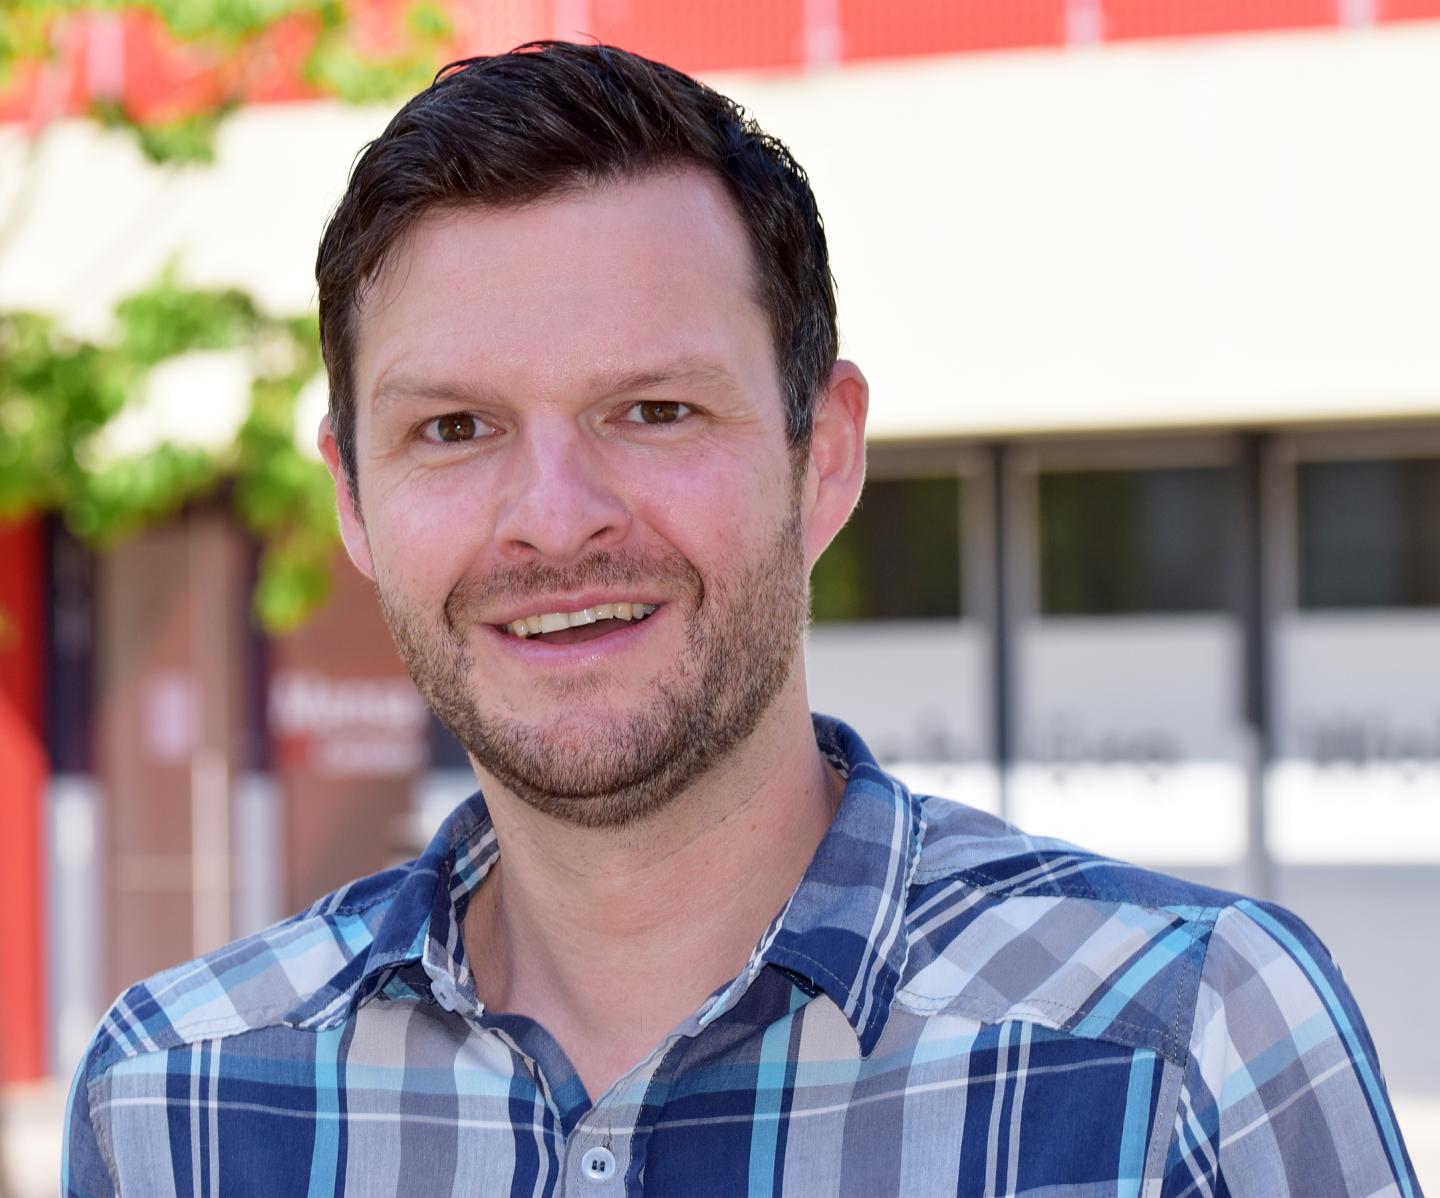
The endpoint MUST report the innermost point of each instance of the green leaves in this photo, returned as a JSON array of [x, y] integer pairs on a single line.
[[122, 497], [55, 394], [283, 495], [232, 21], [338, 68], [24, 29], [184, 141], [166, 319], [60, 396], [63, 398], [236, 38]]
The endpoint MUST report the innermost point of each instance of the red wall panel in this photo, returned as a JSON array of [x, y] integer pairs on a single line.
[[1407, 10], [33, 95], [1189, 18], [22, 628], [23, 772], [704, 37], [886, 28], [155, 76], [164, 79], [349, 738]]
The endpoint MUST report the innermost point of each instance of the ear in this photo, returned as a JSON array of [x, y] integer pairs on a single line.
[[836, 470], [352, 528]]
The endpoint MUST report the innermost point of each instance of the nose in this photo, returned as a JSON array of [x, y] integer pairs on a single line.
[[560, 500]]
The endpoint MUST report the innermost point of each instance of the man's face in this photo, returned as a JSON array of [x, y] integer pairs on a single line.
[[575, 405]]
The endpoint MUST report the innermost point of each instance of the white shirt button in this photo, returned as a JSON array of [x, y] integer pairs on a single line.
[[598, 1164], [444, 991]]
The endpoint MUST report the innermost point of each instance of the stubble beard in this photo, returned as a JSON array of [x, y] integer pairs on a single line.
[[612, 768]]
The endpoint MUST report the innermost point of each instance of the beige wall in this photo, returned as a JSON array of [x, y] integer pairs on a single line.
[[1199, 232]]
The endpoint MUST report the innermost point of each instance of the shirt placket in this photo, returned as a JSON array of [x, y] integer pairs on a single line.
[[602, 1151], [596, 1161]]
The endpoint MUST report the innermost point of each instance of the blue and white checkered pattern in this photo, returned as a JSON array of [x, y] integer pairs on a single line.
[[945, 1006]]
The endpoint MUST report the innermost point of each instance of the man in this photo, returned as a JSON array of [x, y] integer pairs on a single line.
[[588, 434]]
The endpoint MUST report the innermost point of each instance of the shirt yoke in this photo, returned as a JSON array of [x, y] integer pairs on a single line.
[[304, 962], [1005, 926]]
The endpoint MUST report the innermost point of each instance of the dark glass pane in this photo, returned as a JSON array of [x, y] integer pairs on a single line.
[[71, 652], [1369, 533], [898, 558], [1118, 542]]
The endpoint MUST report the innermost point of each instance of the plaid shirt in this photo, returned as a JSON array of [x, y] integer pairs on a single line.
[[945, 1006]]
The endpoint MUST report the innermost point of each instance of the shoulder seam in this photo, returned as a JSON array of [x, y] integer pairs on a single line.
[[1005, 888], [992, 1011], [1171, 1046], [976, 877], [102, 1137], [996, 1013], [122, 1048], [119, 1051], [1215, 915], [268, 1017]]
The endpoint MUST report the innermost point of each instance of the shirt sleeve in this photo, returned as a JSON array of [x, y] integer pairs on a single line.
[[84, 1172], [1282, 1092]]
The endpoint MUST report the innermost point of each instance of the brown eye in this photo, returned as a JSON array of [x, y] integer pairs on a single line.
[[658, 411], [458, 426]]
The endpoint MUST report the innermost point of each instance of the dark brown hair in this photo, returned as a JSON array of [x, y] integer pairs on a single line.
[[551, 117]]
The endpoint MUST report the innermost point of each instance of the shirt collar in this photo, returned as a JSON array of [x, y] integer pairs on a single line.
[[844, 929], [842, 933], [421, 924]]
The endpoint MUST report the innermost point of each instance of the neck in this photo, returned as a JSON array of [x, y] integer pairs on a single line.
[[611, 937]]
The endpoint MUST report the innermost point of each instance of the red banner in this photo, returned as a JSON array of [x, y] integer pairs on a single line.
[[23, 775]]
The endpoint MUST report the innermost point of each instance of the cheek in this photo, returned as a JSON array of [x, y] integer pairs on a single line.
[[718, 513], [425, 540]]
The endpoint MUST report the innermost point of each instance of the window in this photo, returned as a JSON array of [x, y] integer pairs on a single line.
[[1369, 533], [1122, 542], [898, 558]]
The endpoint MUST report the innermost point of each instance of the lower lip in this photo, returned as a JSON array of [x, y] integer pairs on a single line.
[[541, 653]]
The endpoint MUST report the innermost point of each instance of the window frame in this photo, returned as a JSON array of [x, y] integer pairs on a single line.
[[1100, 452], [1289, 451]]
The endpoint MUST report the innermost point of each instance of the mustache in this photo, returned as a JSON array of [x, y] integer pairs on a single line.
[[508, 585]]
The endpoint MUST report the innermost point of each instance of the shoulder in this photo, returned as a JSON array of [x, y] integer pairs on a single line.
[[261, 982], [1009, 926], [1283, 1086], [1278, 1075], [252, 983]]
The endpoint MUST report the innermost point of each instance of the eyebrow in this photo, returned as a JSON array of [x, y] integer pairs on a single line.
[[401, 388], [690, 371]]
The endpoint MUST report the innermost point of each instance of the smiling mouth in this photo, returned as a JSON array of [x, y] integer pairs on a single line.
[[568, 628]]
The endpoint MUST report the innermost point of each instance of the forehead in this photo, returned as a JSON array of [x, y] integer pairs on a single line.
[[602, 278]]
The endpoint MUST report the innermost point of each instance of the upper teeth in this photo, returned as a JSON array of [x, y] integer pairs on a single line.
[[554, 621]]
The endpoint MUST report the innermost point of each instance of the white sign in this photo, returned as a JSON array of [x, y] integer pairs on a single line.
[[171, 716], [350, 727], [917, 692], [1189, 813], [1357, 777], [1128, 740]]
